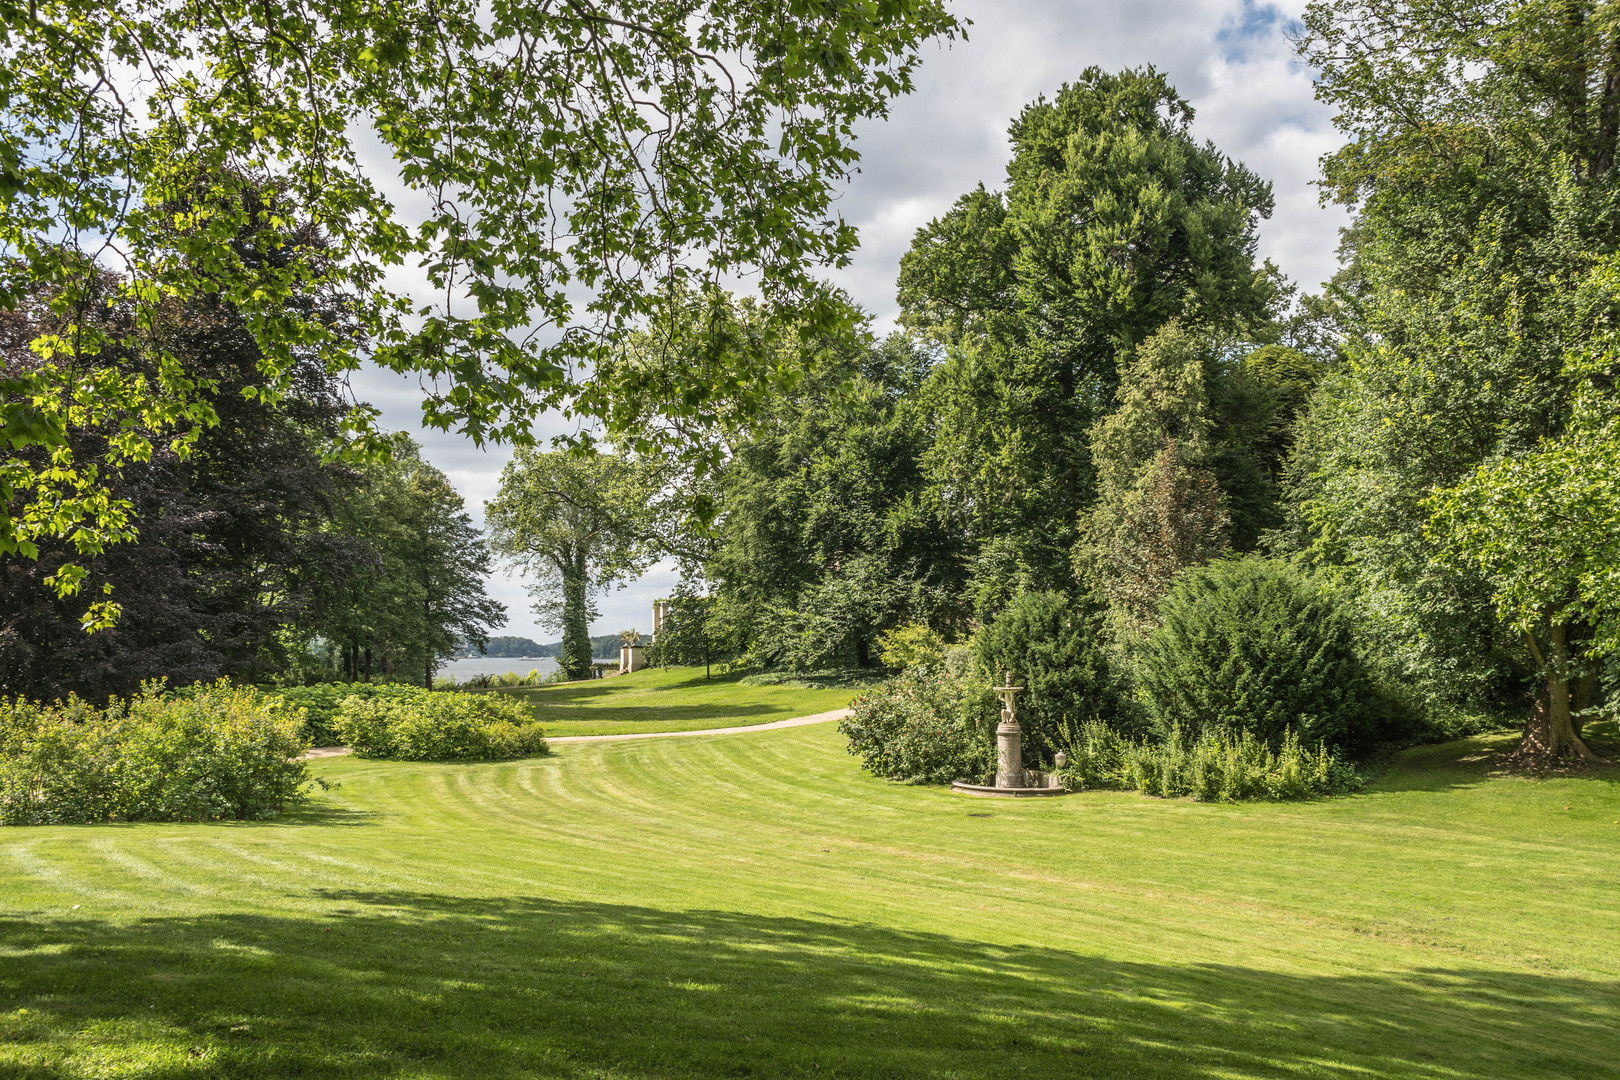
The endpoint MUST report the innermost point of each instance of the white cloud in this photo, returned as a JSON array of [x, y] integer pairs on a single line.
[[1230, 58]]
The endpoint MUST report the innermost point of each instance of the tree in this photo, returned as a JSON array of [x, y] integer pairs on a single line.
[[1481, 167], [824, 535], [1161, 457], [576, 524], [574, 159], [688, 635], [423, 597], [1114, 222], [232, 542], [1544, 527]]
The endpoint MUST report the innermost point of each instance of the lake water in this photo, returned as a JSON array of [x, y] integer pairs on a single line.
[[496, 665]]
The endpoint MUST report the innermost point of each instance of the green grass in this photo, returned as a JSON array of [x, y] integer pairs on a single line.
[[754, 905], [672, 699]]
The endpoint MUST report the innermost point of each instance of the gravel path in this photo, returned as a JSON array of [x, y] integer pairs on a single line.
[[795, 721]]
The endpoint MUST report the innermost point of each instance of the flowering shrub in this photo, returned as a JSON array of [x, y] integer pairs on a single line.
[[425, 726], [1217, 766], [217, 752], [925, 726]]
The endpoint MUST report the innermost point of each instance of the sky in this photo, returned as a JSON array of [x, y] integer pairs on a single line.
[[1230, 58]]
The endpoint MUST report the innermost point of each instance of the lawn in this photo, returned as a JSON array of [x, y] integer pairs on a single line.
[[672, 699], [754, 905]]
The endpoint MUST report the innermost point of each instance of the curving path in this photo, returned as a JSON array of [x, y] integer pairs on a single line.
[[792, 721]]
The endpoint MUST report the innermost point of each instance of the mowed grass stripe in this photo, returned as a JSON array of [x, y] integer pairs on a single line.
[[665, 908]]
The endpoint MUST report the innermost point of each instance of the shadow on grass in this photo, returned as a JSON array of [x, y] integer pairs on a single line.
[[1468, 762], [393, 984]]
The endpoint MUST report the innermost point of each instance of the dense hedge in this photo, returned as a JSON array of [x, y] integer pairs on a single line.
[[425, 726], [928, 725], [217, 752], [1251, 645]]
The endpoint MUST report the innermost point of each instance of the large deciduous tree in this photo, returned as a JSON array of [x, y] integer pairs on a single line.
[[419, 596], [826, 536], [1114, 221], [1481, 166], [575, 524], [232, 541], [559, 164], [1544, 527]]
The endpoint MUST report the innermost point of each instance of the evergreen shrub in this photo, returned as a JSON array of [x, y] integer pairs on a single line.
[[1216, 766], [425, 726], [1053, 648], [924, 726], [218, 752], [1251, 645]]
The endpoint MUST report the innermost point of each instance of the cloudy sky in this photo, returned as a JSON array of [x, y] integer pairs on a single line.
[[1230, 58]]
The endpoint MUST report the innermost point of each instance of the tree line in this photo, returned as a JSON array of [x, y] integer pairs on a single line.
[[1099, 385], [250, 549]]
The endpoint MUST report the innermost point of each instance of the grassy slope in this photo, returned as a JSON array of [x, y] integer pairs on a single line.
[[754, 905], [676, 699]]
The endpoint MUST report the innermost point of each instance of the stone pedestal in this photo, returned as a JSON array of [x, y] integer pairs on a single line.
[[1009, 754], [1011, 780], [631, 658]]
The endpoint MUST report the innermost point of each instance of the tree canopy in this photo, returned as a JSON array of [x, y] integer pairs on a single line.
[[555, 168], [1113, 222], [422, 596], [1481, 168], [574, 524]]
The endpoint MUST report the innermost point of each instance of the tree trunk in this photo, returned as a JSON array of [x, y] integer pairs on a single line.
[[1585, 689], [574, 656], [1549, 734]]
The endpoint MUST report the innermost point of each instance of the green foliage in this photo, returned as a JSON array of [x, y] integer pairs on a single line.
[[1028, 290], [688, 636], [824, 537], [1137, 544], [423, 599], [633, 150], [1484, 193], [911, 645], [230, 539], [506, 645], [924, 726], [320, 704], [1217, 766], [575, 525], [1251, 645], [826, 679], [427, 726], [219, 752], [1543, 526], [1053, 648]]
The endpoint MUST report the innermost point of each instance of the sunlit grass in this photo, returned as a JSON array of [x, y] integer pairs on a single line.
[[754, 905], [669, 699]]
